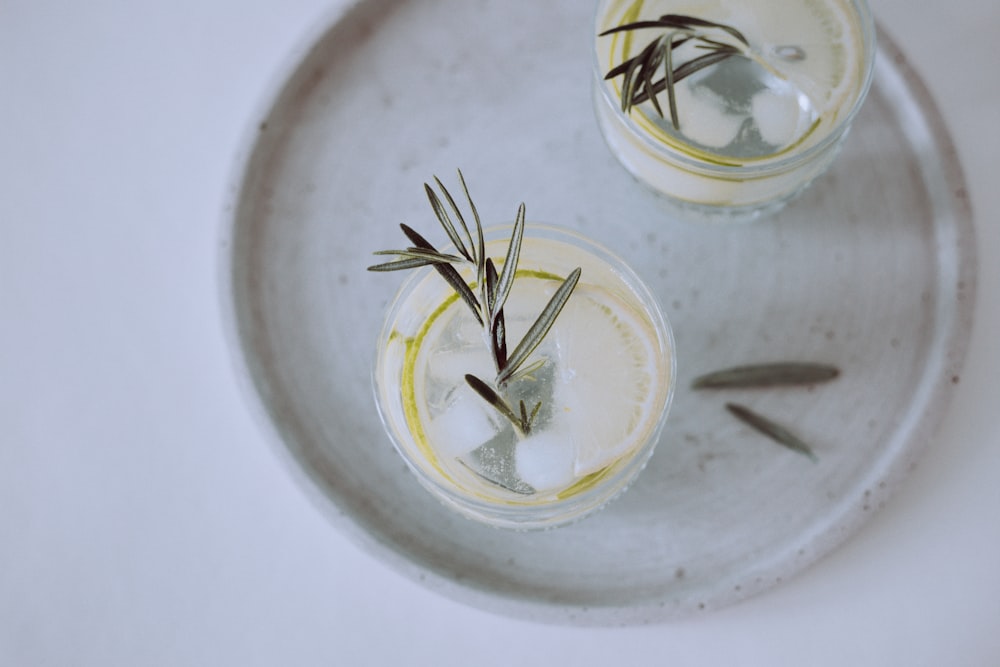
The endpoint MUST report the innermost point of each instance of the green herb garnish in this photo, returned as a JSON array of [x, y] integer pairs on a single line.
[[521, 420], [777, 374], [771, 429], [782, 373], [717, 41], [493, 287]]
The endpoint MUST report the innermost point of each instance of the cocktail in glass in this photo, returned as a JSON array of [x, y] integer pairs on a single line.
[[596, 390], [736, 137]]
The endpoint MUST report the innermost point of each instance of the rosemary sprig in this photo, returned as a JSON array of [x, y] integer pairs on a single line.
[[639, 82], [771, 429], [494, 289], [782, 373]]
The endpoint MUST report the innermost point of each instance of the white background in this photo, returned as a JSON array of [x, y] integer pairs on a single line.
[[147, 519]]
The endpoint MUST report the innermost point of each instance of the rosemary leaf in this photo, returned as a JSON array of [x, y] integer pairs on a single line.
[[498, 326], [771, 429], [661, 54], [461, 220], [494, 399], [701, 62], [635, 25], [669, 81], [445, 220], [400, 264], [480, 241], [506, 280], [540, 327], [499, 337], [715, 45], [534, 412], [767, 375], [428, 256], [619, 69], [490, 287], [447, 271], [695, 22], [525, 371]]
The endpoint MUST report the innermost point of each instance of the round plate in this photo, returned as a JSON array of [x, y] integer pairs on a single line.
[[871, 270]]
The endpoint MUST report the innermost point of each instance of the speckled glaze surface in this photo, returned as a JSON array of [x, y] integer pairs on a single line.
[[872, 269]]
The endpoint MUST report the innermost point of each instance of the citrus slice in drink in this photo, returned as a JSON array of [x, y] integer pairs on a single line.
[[612, 377]]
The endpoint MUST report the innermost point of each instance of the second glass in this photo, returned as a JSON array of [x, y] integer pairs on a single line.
[[757, 103]]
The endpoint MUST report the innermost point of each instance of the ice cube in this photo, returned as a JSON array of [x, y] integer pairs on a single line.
[[465, 423], [710, 124], [469, 332], [545, 461], [450, 366], [777, 116]]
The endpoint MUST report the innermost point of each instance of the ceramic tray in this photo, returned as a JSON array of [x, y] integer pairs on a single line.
[[872, 270]]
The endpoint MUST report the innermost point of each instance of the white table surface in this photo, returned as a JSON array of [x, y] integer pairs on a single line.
[[146, 517]]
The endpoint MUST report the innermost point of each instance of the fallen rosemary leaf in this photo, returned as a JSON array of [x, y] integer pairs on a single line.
[[767, 375], [771, 429]]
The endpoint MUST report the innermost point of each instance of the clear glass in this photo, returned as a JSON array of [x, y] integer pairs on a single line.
[[603, 391], [753, 131]]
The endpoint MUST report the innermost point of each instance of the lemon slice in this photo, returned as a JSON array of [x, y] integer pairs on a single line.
[[612, 378]]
